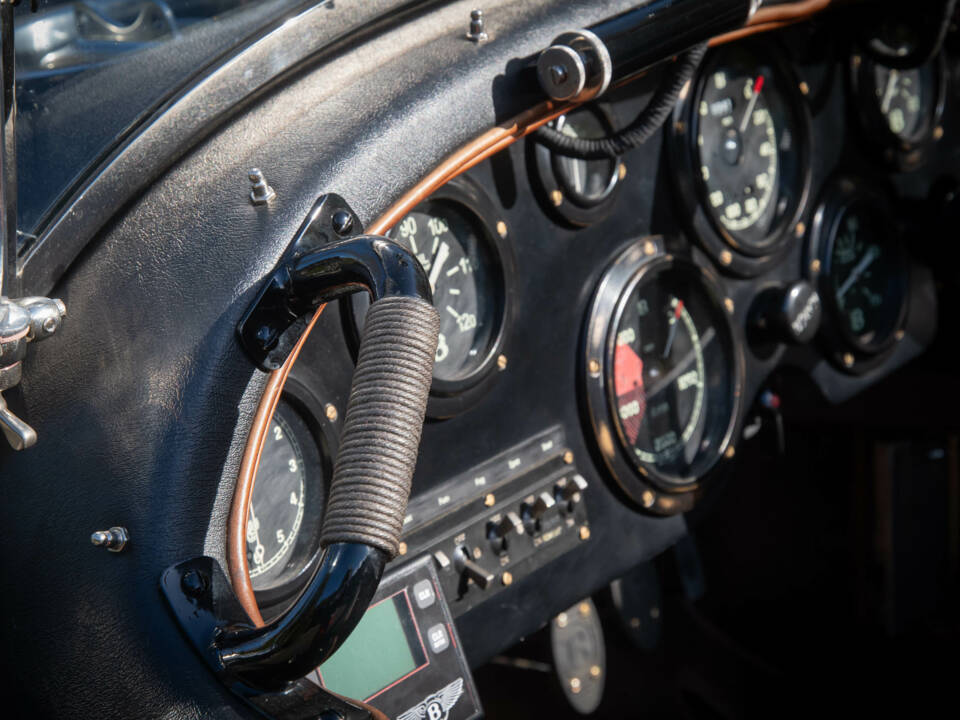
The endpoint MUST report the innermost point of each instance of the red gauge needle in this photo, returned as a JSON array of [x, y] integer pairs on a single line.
[[757, 88], [678, 308]]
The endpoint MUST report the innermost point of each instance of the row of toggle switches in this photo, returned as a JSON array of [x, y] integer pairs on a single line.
[[537, 513]]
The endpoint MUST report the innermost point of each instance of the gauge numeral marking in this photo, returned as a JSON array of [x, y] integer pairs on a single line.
[[688, 380], [716, 198]]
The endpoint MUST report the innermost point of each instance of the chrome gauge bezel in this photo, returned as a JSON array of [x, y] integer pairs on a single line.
[[722, 246], [895, 152], [844, 350], [449, 398], [643, 484]]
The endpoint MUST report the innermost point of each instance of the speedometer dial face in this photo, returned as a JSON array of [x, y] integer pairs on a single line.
[[672, 373], [902, 99], [746, 155]]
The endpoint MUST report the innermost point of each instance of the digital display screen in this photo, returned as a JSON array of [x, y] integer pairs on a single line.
[[382, 649]]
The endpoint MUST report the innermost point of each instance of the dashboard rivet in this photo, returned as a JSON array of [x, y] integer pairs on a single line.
[[478, 32], [556, 197], [261, 193], [402, 548], [330, 411], [342, 222], [654, 612], [815, 266], [938, 132], [115, 539], [726, 257], [635, 622], [648, 498], [193, 583], [728, 304], [568, 457], [848, 360], [622, 171], [649, 248], [502, 362], [490, 500], [584, 532], [594, 367], [562, 620], [575, 685], [584, 608], [680, 126], [477, 553], [804, 88], [899, 335], [506, 578], [731, 451], [800, 229], [595, 671], [502, 229]]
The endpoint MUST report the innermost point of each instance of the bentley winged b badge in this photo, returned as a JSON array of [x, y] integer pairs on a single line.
[[436, 706]]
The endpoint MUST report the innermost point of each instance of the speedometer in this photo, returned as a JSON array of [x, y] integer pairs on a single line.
[[663, 373]]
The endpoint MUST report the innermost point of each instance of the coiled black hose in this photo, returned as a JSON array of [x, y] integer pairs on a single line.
[[641, 129]]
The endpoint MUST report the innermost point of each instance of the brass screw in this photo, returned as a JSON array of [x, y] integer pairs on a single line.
[[506, 578], [634, 623], [654, 612], [622, 171], [556, 197], [562, 620], [899, 335], [477, 553], [330, 411], [648, 498], [568, 457], [728, 304], [800, 229], [575, 686], [814, 266], [402, 548], [502, 362], [584, 532], [680, 126], [594, 671], [649, 248], [490, 500], [584, 609], [594, 367], [938, 132], [731, 451], [848, 360], [804, 88], [726, 257], [502, 229], [857, 60]]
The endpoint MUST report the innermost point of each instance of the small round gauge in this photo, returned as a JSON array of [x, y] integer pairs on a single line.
[[466, 264], [744, 142], [286, 506], [862, 267], [582, 192], [668, 384], [900, 107]]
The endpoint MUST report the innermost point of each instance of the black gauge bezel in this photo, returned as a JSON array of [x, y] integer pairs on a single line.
[[546, 179], [843, 348], [643, 484], [893, 151], [449, 398], [321, 443], [723, 248]]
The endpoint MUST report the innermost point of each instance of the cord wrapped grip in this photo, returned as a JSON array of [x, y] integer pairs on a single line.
[[383, 424]]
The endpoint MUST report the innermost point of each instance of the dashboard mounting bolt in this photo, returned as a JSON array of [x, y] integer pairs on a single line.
[[804, 88], [648, 498], [800, 229], [502, 229], [556, 197], [568, 457], [730, 452], [814, 266], [726, 257], [575, 685], [502, 362], [899, 335], [193, 583], [402, 549], [584, 608], [848, 360], [594, 367], [938, 132], [477, 553], [478, 30], [490, 500], [506, 578], [655, 612], [115, 539], [584, 532], [261, 193], [622, 171], [649, 248], [342, 222], [595, 671], [728, 304], [330, 411], [562, 620]]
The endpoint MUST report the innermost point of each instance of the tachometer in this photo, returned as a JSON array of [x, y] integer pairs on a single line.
[[663, 374], [742, 139]]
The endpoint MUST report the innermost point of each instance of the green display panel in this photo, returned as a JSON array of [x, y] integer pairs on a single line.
[[376, 654]]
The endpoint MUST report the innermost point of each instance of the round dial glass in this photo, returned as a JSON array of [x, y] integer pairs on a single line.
[[746, 149], [452, 246], [585, 182], [673, 373], [285, 493], [865, 272]]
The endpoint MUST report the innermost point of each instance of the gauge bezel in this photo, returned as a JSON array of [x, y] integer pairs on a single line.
[[723, 248], [838, 195], [451, 397], [895, 152], [574, 210], [643, 484], [301, 403]]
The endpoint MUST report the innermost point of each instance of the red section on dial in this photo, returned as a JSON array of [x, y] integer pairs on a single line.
[[628, 386]]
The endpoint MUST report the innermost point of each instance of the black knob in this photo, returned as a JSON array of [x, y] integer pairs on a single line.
[[471, 570], [788, 314], [499, 530]]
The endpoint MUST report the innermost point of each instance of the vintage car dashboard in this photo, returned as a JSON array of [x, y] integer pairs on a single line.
[[608, 327]]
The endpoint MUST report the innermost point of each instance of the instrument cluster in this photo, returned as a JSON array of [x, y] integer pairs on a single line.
[[779, 242]]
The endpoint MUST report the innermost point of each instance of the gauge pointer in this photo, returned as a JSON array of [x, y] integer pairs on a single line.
[[890, 91], [678, 308], [441, 257], [258, 551], [757, 87], [860, 268]]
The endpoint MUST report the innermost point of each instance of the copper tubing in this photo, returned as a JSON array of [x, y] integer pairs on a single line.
[[476, 151]]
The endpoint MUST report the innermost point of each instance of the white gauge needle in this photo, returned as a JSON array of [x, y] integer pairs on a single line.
[[254, 524], [857, 271], [442, 254], [677, 310], [891, 89], [757, 87]]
